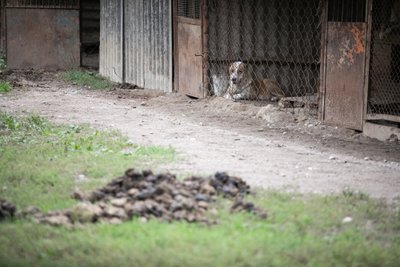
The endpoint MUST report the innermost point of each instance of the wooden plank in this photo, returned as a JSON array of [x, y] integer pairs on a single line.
[[344, 96]]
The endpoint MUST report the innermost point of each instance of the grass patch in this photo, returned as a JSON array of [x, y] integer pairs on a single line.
[[5, 87], [88, 79], [3, 63], [40, 161]]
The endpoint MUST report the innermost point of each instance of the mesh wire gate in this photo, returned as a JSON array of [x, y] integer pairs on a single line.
[[384, 91], [58, 4], [277, 39]]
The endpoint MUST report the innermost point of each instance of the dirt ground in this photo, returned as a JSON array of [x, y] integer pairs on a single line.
[[267, 147]]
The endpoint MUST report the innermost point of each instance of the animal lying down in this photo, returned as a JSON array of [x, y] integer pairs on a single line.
[[243, 87]]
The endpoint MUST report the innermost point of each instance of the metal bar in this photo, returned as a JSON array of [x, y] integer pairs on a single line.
[[367, 58], [122, 40], [205, 36], [372, 117], [175, 48], [322, 90]]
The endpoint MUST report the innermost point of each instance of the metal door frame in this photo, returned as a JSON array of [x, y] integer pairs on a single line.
[[204, 44]]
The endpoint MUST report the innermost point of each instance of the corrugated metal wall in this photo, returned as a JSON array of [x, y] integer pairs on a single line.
[[111, 40], [148, 44], [2, 27], [147, 51]]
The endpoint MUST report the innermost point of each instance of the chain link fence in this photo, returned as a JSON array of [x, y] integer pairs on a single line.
[[278, 40], [384, 91]]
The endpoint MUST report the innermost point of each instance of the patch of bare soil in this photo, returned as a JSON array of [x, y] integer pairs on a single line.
[[269, 147]]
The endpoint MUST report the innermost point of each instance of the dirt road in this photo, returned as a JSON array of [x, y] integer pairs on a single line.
[[266, 147]]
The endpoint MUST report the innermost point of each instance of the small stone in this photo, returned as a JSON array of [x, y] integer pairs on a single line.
[[214, 211], [133, 192], [77, 195], [201, 197], [85, 213], [138, 208], [7, 209], [112, 211], [56, 220], [207, 189], [202, 204], [347, 220], [96, 196], [119, 202], [30, 211], [333, 158], [147, 193]]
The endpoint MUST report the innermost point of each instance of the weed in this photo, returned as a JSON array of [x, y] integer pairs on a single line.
[[354, 194], [5, 87], [3, 63], [88, 79]]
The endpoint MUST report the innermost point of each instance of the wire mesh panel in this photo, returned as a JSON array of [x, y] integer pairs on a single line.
[[279, 40], [384, 91], [189, 9], [61, 4]]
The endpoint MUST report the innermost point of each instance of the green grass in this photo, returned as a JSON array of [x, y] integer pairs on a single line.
[[3, 63], [300, 231], [91, 80], [5, 87], [39, 162]]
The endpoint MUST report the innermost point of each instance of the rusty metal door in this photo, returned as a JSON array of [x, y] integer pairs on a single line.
[[42, 38], [188, 49], [345, 66]]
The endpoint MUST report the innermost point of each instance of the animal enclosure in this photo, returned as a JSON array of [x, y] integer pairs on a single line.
[[278, 40], [384, 90]]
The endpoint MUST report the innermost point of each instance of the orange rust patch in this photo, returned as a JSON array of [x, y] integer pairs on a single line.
[[358, 38]]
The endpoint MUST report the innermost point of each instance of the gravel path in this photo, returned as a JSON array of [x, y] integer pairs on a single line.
[[216, 135]]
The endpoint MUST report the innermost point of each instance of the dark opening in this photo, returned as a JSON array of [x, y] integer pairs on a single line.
[[347, 10], [90, 33], [395, 64], [189, 9]]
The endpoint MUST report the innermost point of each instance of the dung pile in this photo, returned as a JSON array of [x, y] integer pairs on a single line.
[[7, 209], [148, 196]]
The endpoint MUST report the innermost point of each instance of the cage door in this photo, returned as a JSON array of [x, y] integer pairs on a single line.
[[188, 48]]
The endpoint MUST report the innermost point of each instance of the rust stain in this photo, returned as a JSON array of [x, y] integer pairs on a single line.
[[359, 40]]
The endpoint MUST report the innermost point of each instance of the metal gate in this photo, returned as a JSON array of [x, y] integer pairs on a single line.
[[188, 48], [42, 34], [384, 84]]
